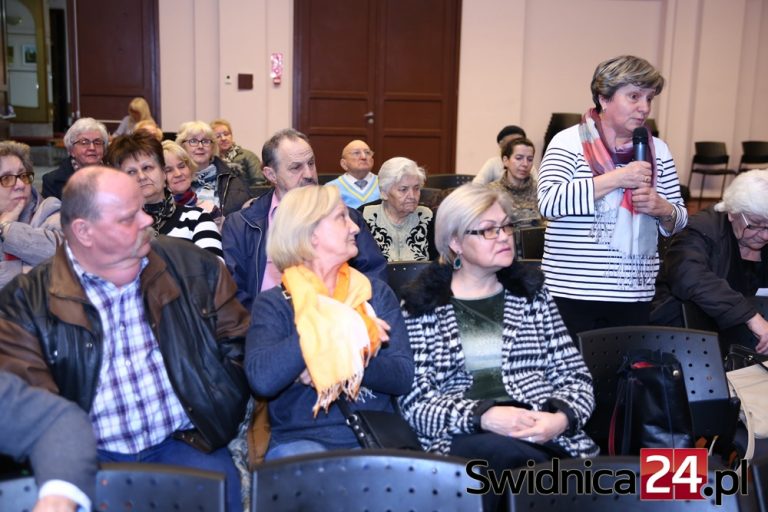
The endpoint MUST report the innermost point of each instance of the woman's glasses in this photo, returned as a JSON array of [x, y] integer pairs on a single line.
[[193, 143], [9, 180], [752, 227], [492, 233]]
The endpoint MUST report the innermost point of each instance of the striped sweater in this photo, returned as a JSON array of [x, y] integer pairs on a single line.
[[575, 265], [539, 360], [192, 223]]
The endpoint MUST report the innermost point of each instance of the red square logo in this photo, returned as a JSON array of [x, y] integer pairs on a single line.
[[672, 473]]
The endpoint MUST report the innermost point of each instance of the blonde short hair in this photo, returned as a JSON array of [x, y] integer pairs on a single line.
[[179, 152], [459, 210], [221, 122], [289, 241], [186, 130]]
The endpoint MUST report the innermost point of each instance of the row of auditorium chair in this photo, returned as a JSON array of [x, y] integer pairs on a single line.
[[367, 480], [711, 159]]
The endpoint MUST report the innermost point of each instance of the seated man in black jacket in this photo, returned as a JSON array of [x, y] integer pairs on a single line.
[[146, 336], [719, 261]]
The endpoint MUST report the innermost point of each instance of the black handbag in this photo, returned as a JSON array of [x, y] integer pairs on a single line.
[[651, 408], [740, 356], [380, 429]]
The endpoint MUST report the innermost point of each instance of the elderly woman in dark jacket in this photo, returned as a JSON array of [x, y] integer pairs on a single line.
[[719, 261], [498, 377]]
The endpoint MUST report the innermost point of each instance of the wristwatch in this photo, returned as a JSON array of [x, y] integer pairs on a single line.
[[671, 217]]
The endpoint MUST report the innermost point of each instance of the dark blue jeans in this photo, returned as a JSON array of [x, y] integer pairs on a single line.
[[173, 451]]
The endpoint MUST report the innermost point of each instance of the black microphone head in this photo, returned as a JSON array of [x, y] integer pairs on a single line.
[[640, 135]]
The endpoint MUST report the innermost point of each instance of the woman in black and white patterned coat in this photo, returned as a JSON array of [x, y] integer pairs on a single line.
[[497, 374]]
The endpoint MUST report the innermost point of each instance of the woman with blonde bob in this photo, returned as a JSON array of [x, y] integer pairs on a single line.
[[215, 180], [180, 171], [498, 377], [327, 334]]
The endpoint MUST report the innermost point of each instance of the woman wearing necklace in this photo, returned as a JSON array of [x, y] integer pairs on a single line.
[[401, 227], [140, 155], [497, 377], [517, 158]]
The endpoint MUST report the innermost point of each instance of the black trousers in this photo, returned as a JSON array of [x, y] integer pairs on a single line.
[[585, 315], [502, 452]]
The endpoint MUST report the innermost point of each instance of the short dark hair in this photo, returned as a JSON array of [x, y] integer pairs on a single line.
[[509, 146], [19, 150], [269, 150], [78, 200], [509, 130], [133, 145]]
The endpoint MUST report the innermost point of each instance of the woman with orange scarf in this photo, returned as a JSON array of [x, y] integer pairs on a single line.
[[327, 334]]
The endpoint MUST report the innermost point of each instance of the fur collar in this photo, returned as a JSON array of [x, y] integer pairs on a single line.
[[432, 288]]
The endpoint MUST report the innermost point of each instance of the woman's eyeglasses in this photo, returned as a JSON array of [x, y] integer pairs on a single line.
[[97, 143], [752, 227], [193, 143], [9, 180], [492, 233]]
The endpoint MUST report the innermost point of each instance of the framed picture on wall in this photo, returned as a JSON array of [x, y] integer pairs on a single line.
[[10, 53], [29, 54]]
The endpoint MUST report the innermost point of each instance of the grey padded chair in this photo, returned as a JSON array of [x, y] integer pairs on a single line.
[[134, 486], [364, 480], [712, 409]]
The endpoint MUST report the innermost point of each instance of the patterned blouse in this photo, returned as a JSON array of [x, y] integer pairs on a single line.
[[408, 241]]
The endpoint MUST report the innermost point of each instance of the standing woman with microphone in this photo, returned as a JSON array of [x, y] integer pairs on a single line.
[[607, 198]]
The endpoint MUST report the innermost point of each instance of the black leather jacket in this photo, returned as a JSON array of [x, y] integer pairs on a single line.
[[51, 335], [231, 187]]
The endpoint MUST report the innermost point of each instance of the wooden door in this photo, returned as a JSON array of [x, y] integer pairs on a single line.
[[385, 71], [115, 57]]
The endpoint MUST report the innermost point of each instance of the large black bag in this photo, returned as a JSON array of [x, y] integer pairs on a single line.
[[380, 429], [651, 405]]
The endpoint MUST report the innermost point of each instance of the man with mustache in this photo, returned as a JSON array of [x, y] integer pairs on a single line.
[[145, 335], [289, 162]]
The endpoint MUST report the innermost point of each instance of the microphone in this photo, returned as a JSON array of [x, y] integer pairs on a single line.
[[640, 143]]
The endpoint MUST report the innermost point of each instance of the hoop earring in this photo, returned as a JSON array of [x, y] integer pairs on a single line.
[[457, 262]]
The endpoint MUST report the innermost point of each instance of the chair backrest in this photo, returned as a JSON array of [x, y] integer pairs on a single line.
[[754, 154], [363, 480], [530, 242], [621, 470], [444, 181], [710, 153], [558, 122], [324, 178], [699, 355], [431, 197], [400, 273], [134, 486]]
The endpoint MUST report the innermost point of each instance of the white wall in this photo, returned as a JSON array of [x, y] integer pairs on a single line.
[[520, 60]]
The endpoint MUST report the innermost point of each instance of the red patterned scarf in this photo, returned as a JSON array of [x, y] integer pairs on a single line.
[[632, 235]]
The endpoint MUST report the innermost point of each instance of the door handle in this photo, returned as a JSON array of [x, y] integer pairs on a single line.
[[370, 116]]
